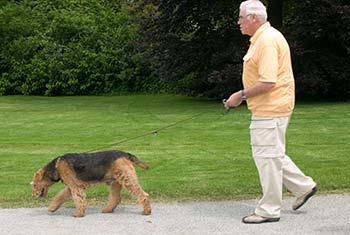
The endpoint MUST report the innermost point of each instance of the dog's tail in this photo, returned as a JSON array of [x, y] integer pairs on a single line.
[[137, 161]]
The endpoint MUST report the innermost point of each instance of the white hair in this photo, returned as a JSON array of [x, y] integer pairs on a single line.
[[255, 7]]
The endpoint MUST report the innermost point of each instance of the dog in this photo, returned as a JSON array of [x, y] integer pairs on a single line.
[[81, 171]]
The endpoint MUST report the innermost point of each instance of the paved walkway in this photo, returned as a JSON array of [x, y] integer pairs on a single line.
[[324, 215]]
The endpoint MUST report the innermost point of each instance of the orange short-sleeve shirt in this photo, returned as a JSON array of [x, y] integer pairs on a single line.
[[268, 60]]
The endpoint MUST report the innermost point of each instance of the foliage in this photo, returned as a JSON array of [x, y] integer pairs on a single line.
[[68, 47], [73, 47], [196, 45], [319, 32]]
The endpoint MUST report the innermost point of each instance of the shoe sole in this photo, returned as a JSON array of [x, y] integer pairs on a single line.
[[269, 220], [313, 191]]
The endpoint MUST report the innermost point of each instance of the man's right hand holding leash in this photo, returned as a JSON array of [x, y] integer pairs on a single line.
[[234, 100]]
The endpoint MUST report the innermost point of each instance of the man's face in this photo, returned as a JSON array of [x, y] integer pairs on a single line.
[[245, 23]]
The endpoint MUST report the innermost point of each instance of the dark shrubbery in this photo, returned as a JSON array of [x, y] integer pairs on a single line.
[[319, 34], [69, 47], [197, 46]]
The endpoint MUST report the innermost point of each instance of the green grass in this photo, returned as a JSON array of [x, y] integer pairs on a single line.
[[205, 156]]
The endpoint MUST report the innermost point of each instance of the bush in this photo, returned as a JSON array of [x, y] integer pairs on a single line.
[[69, 47], [197, 46], [319, 37]]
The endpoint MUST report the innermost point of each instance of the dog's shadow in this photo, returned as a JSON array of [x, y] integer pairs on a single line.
[[122, 210]]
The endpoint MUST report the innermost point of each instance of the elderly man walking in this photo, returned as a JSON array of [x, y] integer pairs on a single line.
[[269, 92]]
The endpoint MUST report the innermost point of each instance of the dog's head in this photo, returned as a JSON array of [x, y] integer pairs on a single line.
[[40, 184]]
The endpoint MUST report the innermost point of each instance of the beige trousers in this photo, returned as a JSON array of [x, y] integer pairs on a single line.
[[275, 168]]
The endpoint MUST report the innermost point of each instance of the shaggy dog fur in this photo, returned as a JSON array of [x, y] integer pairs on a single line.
[[81, 171]]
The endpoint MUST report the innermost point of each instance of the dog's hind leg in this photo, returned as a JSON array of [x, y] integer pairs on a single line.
[[60, 198], [130, 183], [114, 197]]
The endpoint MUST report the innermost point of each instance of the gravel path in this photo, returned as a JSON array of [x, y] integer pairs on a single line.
[[325, 215]]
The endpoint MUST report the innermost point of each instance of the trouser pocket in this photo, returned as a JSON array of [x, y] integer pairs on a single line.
[[264, 138]]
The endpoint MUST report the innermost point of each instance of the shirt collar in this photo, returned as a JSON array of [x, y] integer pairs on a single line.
[[261, 29]]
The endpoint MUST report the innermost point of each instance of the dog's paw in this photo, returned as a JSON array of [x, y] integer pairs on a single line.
[[78, 214], [147, 212], [53, 208], [107, 210]]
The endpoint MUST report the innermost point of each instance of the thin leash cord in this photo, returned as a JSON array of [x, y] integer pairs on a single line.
[[148, 133]]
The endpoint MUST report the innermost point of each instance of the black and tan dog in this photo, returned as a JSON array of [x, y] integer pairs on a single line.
[[81, 171]]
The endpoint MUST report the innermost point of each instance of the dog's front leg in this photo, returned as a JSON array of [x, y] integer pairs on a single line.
[[60, 198], [79, 198]]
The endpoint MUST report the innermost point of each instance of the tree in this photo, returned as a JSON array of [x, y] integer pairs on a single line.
[[68, 47], [319, 34], [275, 13], [195, 45]]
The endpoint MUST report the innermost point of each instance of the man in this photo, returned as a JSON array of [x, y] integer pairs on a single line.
[[269, 91]]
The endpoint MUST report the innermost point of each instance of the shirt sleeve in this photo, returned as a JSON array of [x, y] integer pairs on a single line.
[[268, 64]]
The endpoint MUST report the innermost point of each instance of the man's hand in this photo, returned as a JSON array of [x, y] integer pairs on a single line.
[[234, 100], [259, 88]]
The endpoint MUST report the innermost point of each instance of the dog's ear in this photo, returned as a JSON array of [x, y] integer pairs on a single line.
[[39, 175]]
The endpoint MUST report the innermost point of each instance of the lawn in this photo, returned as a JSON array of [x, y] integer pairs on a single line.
[[195, 151]]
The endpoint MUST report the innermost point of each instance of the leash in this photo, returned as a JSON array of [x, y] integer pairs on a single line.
[[227, 109], [155, 132]]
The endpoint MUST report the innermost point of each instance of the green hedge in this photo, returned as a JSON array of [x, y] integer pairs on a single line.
[[69, 47]]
